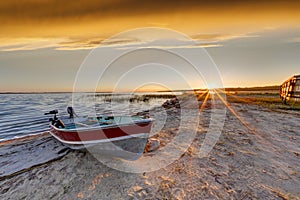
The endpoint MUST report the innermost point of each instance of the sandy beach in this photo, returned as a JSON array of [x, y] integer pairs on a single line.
[[256, 157], [164, 100]]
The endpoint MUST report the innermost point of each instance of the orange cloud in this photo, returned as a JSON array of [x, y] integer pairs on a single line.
[[90, 22]]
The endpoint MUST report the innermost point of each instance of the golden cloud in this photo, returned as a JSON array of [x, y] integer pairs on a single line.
[[71, 25]]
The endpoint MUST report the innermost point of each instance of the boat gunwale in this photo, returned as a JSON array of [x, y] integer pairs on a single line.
[[91, 128]]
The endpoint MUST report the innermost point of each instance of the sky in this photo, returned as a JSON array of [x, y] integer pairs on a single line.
[[43, 43]]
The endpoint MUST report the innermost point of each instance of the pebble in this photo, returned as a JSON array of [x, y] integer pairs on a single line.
[[152, 145]]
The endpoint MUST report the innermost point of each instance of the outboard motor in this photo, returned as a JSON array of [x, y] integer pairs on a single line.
[[52, 112], [71, 112], [55, 121]]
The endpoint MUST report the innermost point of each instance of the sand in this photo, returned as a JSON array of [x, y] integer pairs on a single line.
[[257, 156]]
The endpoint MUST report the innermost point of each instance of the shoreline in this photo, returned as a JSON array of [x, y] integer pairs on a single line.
[[256, 156], [25, 138]]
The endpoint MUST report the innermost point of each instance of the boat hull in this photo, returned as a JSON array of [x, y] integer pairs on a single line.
[[127, 141]]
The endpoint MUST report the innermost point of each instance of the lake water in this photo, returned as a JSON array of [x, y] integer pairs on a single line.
[[23, 114]]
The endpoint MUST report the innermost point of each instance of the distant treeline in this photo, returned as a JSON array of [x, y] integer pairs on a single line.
[[275, 87]]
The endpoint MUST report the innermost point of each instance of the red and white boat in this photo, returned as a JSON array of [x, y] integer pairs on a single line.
[[118, 136]]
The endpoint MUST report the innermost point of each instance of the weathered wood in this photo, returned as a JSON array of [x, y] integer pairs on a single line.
[[290, 89]]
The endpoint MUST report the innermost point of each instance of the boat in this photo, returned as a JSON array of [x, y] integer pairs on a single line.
[[118, 136]]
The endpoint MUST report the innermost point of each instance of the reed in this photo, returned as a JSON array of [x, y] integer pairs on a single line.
[[272, 101]]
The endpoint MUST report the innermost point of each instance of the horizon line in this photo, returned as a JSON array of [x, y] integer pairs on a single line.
[[270, 87]]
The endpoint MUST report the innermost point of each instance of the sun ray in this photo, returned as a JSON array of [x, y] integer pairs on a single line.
[[232, 110], [204, 101], [263, 141]]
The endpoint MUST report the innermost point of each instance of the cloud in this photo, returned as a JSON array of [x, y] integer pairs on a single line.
[[96, 42], [200, 40], [57, 9], [209, 45], [218, 40], [143, 39], [220, 37], [83, 20], [78, 44], [23, 44], [21, 10]]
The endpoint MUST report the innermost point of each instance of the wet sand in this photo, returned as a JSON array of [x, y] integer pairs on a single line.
[[257, 156]]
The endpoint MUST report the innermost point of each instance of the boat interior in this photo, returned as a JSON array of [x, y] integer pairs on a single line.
[[98, 121]]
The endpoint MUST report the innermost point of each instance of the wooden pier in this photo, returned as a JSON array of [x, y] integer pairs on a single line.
[[290, 90]]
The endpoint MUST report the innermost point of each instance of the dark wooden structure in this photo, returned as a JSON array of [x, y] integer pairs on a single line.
[[290, 89]]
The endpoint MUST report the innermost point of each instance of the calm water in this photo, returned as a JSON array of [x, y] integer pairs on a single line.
[[23, 114]]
